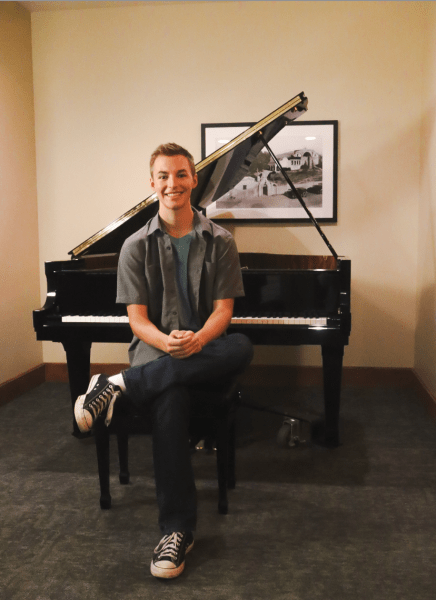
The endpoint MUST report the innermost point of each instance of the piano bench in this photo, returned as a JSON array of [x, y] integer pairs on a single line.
[[212, 420]]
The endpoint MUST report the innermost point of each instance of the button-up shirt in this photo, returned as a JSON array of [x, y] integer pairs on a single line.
[[146, 275]]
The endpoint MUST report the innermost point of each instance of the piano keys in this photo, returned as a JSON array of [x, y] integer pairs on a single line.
[[95, 319], [237, 320], [290, 300]]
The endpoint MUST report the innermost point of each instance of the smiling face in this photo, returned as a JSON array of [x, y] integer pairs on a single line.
[[173, 181]]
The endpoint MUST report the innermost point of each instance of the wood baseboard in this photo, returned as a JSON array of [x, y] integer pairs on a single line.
[[256, 375], [303, 376], [22, 383], [59, 371]]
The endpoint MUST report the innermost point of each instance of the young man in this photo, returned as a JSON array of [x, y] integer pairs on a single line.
[[178, 276]]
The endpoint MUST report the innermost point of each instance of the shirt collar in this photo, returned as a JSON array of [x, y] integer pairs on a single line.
[[201, 224]]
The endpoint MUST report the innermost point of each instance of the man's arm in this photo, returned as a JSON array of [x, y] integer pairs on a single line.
[[218, 321], [181, 344], [144, 329]]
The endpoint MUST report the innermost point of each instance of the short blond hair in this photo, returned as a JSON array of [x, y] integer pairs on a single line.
[[171, 149]]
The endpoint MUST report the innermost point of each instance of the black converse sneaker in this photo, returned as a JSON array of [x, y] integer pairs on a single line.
[[169, 555], [100, 395]]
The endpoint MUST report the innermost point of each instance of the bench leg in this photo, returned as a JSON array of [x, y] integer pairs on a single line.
[[101, 435], [123, 454], [222, 464], [231, 444]]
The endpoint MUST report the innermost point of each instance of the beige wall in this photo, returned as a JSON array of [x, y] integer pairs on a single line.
[[19, 270], [111, 84], [425, 359]]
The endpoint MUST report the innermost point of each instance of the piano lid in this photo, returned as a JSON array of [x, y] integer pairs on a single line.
[[217, 174]]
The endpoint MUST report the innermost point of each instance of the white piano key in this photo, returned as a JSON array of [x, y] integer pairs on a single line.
[[287, 321], [95, 319]]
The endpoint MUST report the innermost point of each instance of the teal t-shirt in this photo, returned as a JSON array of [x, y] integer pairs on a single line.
[[181, 248]]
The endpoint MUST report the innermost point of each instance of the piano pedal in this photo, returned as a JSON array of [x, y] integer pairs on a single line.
[[206, 445], [292, 433]]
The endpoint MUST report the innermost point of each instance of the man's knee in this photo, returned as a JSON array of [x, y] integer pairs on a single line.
[[242, 350]]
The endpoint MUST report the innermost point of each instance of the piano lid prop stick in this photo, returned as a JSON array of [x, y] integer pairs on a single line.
[[294, 189]]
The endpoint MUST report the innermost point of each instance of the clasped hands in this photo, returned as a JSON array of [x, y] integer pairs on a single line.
[[182, 344]]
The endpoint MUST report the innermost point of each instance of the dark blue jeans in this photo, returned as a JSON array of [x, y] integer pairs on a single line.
[[162, 387]]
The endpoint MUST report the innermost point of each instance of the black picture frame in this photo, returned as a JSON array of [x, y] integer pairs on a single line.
[[308, 150]]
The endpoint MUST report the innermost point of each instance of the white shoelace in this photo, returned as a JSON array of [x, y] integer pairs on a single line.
[[98, 404], [170, 546]]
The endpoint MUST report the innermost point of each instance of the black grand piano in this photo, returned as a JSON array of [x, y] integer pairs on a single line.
[[290, 300]]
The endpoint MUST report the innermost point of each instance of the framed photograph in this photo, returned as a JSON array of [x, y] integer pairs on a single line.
[[307, 151]]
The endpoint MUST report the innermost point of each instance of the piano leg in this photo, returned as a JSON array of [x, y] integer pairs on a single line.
[[332, 357], [79, 367]]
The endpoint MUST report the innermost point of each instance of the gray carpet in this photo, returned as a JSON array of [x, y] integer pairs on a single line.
[[357, 522]]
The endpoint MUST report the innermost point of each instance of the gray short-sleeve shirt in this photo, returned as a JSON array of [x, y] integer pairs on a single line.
[[146, 275]]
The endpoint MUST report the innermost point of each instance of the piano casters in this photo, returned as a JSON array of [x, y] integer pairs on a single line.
[[79, 366]]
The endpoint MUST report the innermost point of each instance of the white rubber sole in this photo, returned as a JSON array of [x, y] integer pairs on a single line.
[[83, 417]]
